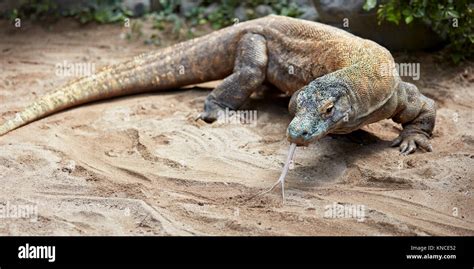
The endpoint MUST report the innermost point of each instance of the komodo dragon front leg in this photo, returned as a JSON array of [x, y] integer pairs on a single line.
[[417, 115], [249, 73]]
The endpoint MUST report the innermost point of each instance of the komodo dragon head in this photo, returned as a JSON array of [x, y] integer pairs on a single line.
[[319, 108]]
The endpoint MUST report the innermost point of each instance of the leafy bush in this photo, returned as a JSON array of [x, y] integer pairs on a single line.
[[35, 10], [224, 15], [101, 11], [168, 15], [167, 18], [451, 19]]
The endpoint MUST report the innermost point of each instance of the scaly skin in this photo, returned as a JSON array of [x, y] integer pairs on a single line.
[[338, 82]]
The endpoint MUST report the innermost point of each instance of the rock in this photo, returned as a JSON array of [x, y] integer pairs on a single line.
[[263, 10], [138, 7], [241, 13], [333, 11], [302, 3], [310, 14], [211, 9], [307, 7], [187, 6]]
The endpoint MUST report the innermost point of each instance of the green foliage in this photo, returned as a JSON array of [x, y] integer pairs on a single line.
[[197, 16], [168, 16], [35, 10], [135, 30], [100, 11], [222, 15], [451, 19], [369, 4], [281, 7]]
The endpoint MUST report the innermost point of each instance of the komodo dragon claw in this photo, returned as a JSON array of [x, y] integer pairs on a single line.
[[408, 142]]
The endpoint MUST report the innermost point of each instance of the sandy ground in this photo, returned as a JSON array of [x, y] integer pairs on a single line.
[[140, 165]]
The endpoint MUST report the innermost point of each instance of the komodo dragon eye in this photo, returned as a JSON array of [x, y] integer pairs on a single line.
[[327, 108]]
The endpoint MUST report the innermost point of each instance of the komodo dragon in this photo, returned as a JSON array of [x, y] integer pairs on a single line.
[[338, 82]]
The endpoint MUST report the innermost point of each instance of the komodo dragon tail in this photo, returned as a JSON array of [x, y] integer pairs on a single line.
[[183, 64]]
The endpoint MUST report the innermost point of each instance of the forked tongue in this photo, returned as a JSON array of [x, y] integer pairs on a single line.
[[281, 180]]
